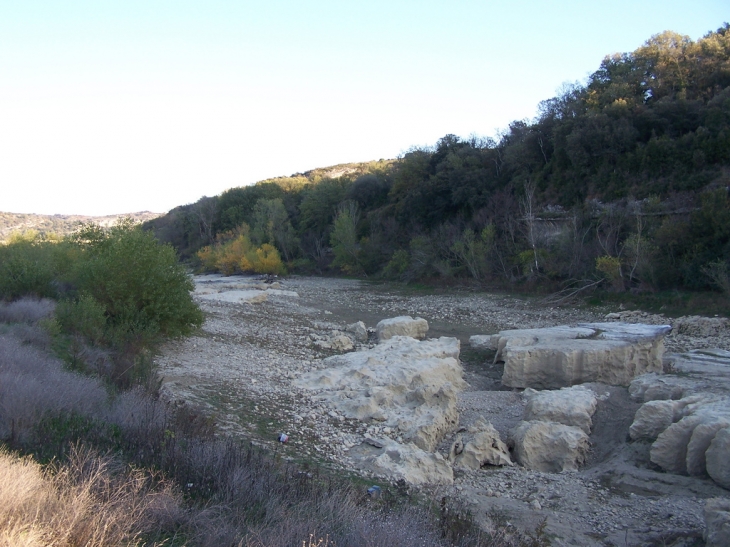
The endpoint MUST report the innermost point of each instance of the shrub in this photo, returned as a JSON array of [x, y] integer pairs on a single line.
[[138, 281], [610, 267], [84, 317], [26, 310]]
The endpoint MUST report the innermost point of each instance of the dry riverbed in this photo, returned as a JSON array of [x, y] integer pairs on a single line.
[[241, 367]]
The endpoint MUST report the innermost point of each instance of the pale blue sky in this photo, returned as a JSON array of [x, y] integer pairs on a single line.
[[110, 107]]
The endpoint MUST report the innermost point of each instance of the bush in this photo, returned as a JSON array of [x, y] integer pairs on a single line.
[[139, 282], [84, 317]]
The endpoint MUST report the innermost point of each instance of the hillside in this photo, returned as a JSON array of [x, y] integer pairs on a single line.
[[622, 180], [60, 224]]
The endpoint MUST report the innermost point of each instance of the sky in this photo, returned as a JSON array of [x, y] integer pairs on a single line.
[[111, 107]]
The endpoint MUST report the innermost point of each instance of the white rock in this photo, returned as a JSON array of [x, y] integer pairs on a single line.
[[717, 522], [652, 418], [248, 296], [482, 341], [654, 387], [484, 447], [611, 353], [402, 461], [718, 458], [549, 447], [702, 436], [359, 330], [404, 325], [573, 406], [409, 385]]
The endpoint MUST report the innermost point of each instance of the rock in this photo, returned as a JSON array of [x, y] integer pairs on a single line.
[[549, 447], [406, 462], [718, 462], [248, 296], [611, 353], [408, 385], [705, 370], [653, 387], [652, 418], [404, 325], [704, 327], [279, 292], [573, 406], [680, 448], [336, 341], [481, 341], [359, 330], [717, 522], [484, 447]]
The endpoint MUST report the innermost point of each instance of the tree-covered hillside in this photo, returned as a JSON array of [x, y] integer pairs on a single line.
[[624, 178]]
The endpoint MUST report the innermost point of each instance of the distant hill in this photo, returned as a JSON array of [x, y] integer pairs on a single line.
[[60, 224]]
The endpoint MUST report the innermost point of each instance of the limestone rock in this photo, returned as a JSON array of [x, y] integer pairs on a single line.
[[396, 461], [695, 325], [718, 459], [482, 341], [681, 447], [572, 406], [652, 418], [653, 387], [717, 522], [611, 353], [408, 385], [358, 329], [337, 341], [484, 447], [404, 325], [251, 296], [549, 447]]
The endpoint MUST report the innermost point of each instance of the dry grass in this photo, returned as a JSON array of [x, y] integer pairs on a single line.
[[26, 310], [90, 501]]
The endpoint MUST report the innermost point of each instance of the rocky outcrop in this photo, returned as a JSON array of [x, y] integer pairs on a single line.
[[611, 353], [479, 447], [395, 461], [718, 459], [404, 325], [572, 406], [407, 385], [717, 522], [549, 447]]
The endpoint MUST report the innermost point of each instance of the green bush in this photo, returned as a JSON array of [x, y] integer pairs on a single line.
[[84, 316], [139, 282], [27, 268]]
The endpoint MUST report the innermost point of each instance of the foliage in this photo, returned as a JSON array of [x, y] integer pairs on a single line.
[[239, 255], [344, 240]]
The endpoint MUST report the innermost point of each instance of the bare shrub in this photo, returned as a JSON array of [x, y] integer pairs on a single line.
[[26, 310], [91, 501], [34, 385]]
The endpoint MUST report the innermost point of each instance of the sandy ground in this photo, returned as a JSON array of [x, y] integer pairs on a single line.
[[241, 365]]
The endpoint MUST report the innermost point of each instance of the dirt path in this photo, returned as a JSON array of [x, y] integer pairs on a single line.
[[241, 365]]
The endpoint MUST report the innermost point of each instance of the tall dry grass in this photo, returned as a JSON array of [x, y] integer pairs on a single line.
[[91, 501]]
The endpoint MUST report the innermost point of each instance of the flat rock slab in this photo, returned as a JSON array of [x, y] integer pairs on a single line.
[[549, 358], [407, 385], [404, 325]]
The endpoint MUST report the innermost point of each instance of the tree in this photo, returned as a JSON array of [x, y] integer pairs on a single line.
[[271, 225], [344, 237]]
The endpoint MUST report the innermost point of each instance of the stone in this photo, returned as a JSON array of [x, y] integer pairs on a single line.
[[610, 353], [704, 327], [652, 418], [359, 331], [403, 325], [718, 458], [717, 522], [675, 450], [549, 447], [251, 296], [410, 386], [280, 292], [483, 447], [481, 341], [396, 461], [654, 387], [573, 406]]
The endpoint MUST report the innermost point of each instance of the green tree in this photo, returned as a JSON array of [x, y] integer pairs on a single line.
[[344, 238]]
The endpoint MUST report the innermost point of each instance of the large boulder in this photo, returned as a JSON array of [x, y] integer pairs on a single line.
[[718, 458], [395, 461], [658, 387], [404, 325], [481, 447], [653, 417], [684, 447], [549, 447], [359, 331], [610, 353], [572, 406], [717, 522], [408, 385]]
